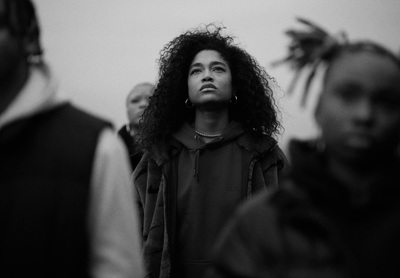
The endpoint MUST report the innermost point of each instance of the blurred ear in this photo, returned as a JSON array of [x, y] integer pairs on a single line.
[[31, 42]]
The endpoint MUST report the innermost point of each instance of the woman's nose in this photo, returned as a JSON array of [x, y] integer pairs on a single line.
[[364, 110], [207, 76], [144, 103]]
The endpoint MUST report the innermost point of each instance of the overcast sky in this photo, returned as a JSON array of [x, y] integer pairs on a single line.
[[99, 49]]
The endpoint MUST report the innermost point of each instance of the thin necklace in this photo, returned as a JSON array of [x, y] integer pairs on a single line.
[[206, 135]]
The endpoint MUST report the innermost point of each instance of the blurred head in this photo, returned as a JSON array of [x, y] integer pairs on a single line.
[[137, 101], [359, 108], [19, 24], [218, 61], [19, 39]]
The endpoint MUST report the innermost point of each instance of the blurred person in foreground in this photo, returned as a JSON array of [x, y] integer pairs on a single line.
[[208, 134], [136, 102], [337, 213], [66, 206]]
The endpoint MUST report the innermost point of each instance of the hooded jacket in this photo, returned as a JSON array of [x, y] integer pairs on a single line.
[[156, 177], [38, 157], [314, 226]]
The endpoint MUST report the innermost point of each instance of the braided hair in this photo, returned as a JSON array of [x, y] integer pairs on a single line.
[[314, 47]]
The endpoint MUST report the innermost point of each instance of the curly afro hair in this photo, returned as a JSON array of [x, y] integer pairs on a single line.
[[166, 113]]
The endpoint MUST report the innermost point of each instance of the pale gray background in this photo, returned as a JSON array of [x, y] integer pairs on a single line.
[[100, 48]]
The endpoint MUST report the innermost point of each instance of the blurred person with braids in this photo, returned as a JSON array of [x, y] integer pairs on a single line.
[[66, 202], [208, 134], [136, 102], [337, 212]]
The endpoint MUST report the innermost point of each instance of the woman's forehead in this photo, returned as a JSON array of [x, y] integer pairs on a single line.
[[208, 57], [366, 64]]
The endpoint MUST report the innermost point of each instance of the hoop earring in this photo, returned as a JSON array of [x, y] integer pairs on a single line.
[[188, 104], [234, 101]]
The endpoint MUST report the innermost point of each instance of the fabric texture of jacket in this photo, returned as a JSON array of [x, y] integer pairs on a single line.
[[314, 226], [264, 162]]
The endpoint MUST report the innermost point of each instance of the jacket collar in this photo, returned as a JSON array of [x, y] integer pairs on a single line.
[[256, 146]]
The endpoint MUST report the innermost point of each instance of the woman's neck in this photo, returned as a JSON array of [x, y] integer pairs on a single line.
[[132, 129], [211, 122]]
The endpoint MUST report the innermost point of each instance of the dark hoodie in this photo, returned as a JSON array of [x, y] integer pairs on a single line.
[[187, 190], [210, 186]]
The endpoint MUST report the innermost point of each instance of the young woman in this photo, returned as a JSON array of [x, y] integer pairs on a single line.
[[208, 132], [337, 213]]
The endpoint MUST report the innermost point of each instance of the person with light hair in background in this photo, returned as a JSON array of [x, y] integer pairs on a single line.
[[66, 204], [337, 212], [136, 102]]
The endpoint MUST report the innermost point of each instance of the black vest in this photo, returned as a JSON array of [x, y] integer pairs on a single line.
[[45, 170]]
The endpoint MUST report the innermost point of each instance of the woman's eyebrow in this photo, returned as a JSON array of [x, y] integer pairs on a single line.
[[196, 65], [213, 63], [219, 63]]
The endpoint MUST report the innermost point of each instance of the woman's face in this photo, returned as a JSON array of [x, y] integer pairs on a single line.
[[359, 109], [209, 81], [137, 102]]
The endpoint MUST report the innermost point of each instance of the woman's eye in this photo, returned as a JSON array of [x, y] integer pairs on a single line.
[[219, 69], [348, 95], [194, 71]]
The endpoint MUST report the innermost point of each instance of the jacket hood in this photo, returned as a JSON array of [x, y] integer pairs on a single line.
[[192, 142]]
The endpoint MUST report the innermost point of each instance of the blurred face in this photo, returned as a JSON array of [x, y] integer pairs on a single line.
[[209, 80], [359, 110], [137, 102]]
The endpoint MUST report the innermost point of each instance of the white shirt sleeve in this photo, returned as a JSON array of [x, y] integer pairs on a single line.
[[113, 218]]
